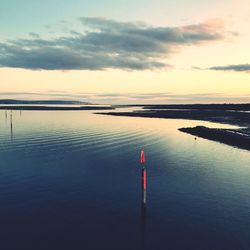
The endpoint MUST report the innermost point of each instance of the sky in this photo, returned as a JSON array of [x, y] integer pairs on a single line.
[[124, 51]]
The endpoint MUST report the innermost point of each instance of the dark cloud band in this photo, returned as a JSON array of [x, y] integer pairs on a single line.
[[106, 44], [236, 67]]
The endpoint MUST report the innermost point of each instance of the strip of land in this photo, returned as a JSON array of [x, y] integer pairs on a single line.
[[232, 114], [228, 136], [62, 108], [41, 102], [229, 106]]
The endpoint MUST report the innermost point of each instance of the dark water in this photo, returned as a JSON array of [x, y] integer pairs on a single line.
[[71, 180]]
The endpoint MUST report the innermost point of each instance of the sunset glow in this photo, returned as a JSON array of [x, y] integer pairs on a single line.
[[175, 52]]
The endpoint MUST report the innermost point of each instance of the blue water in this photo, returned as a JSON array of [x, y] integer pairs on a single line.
[[71, 180]]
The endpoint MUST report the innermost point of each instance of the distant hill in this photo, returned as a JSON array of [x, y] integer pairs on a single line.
[[43, 102]]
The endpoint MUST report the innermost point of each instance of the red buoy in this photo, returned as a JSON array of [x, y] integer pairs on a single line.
[[143, 156]]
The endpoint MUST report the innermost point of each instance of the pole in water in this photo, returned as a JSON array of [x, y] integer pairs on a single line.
[[143, 183], [11, 127]]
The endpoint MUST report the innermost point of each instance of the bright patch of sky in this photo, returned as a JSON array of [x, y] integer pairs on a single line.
[[19, 18]]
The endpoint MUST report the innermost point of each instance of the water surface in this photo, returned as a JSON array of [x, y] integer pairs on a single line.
[[71, 180]]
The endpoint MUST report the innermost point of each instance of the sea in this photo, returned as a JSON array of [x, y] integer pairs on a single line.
[[72, 180]]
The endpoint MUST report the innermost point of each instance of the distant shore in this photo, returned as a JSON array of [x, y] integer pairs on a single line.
[[63, 108], [41, 102], [231, 114]]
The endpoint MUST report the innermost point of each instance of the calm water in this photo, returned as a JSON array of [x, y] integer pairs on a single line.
[[71, 180]]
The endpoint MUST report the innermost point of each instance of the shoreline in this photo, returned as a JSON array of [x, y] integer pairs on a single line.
[[227, 136], [224, 114], [55, 108], [234, 137]]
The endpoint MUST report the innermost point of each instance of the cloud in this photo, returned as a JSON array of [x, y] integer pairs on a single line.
[[235, 67], [104, 44], [34, 35]]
